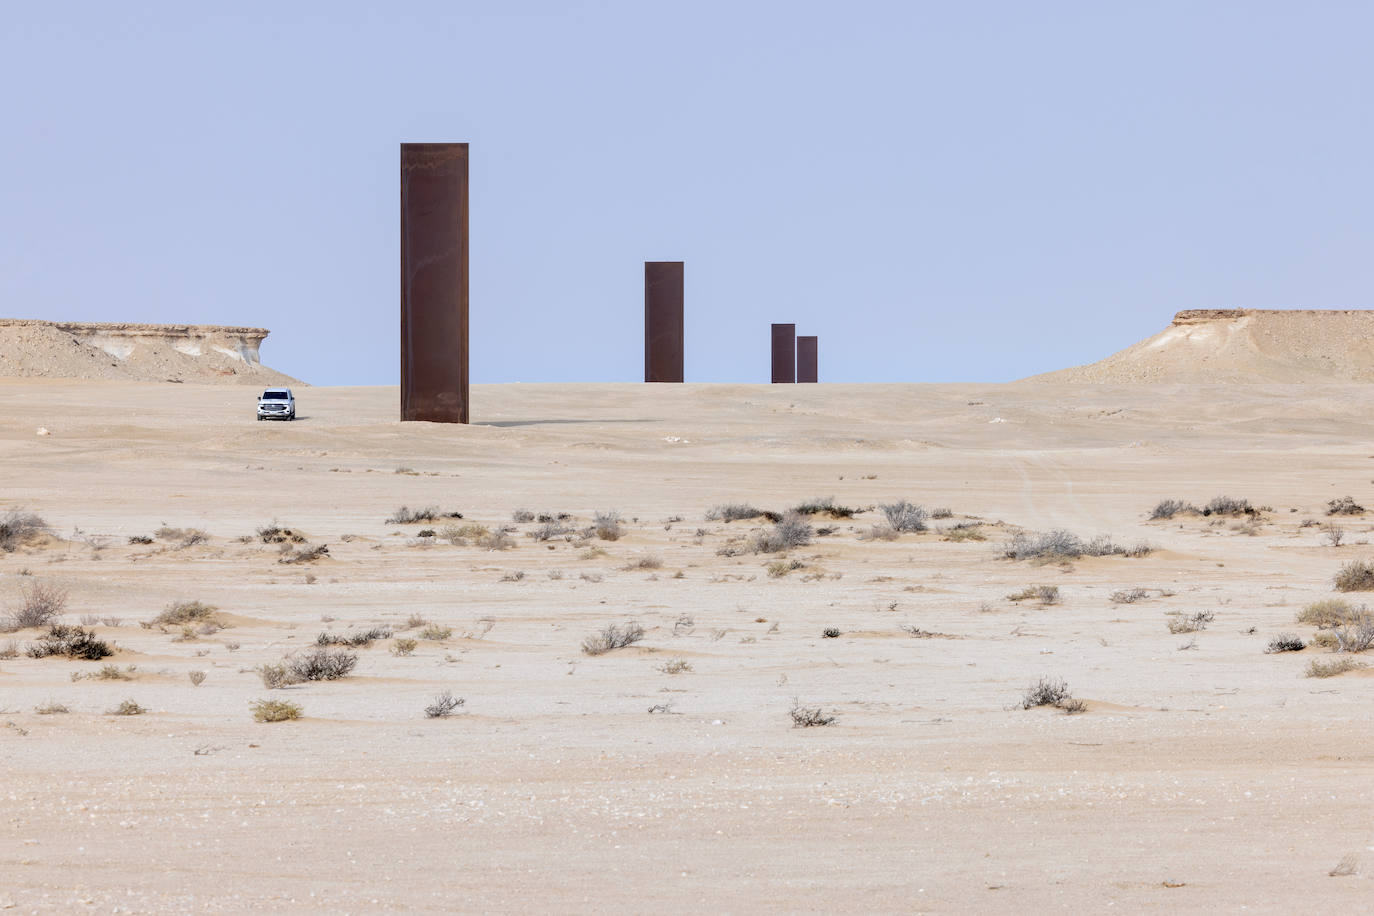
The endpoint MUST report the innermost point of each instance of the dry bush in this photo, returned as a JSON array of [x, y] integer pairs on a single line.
[[675, 666], [942, 512], [1344, 505], [18, 528], [186, 612], [883, 532], [407, 516], [1319, 668], [403, 647], [276, 534], [808, 716], [443, 705], [522, 516], [51, 708], [607, 525], [1045, 594], [1285, 642], [414, 620], [1064, 545], [10, 649], [359, 640], [184, 537], [321, 664], [1329, 612], [500, 539], [790, 531], [779, 568], [612, 637], [274, 710], [547, 531], [304, 554], [647, 561], [1051, 692], [275, 676], [825, 505], [435, 632], [197, 677], [904, 516], [513, 576], [1129, 595], [830, 633], [1356, 576], [1189, 623], [1333, 534], [1168, 508], [965, 531], [108, 673], [127, 708], [140, 539], [39, 605], [69, 641], [1227, 505], [739, 512], [1357, 634]]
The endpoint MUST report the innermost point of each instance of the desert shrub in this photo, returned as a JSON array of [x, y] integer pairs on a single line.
[[51, 708], [545, 517], [825, 505], [647, 561], [403, 647], [274, 710], [110, 673], [738, 512], [1129, 595], [10, 649], [1061, 545], [941, 512], [69, 641], [830, 633], [435, 632], [18, 528], [883, 532], [1356, 576], [321, 664], [357, 640], [443, 705], [1189, 623], [274, 676], [1051, 692], [612, 637], [1045, 594], [1344, 505], [547, 531], [140, 539], [1227, 505], [1327, 613], [1168, 508], [184, 537], [522, 516], [499, 539], [186, 612], [415, 620], [1319, 668], [607, 525], [965, 532], [790, 531], [675, 666], [808, 716], [904, 516], [779, 568], [1356, 634], [1285, 642], [39, 605], [276, 534], [1333, 534], [196, 677], [304, 554], [127, 708], [407, 516]]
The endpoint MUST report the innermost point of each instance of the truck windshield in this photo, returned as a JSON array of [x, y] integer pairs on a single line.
[[274, 395]]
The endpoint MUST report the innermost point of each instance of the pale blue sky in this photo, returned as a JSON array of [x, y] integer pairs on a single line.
[[942, 191]]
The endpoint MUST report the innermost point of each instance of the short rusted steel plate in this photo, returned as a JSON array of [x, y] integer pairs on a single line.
[[806, 359], [663, 326], [434, 282], [784, 353]]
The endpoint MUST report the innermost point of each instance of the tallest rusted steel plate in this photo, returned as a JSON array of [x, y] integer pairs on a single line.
[[663, 306], [784, 353], [434, 282], [807, 370]]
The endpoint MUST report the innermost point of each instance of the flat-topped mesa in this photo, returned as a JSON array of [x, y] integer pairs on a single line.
[[152, 352], [1193, 316]]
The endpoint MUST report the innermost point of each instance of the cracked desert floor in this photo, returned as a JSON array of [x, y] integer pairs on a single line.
[[1204, 773]]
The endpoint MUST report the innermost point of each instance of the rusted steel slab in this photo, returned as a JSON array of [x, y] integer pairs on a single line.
[[784, 353], [663, 324], [434, 282], [806, 359]]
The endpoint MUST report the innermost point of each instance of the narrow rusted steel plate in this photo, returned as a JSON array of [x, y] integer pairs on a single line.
[[784, 353], [663, 334], [806, 359], [434, 282]]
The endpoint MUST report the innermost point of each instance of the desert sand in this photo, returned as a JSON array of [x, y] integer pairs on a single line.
[[1204, 773]]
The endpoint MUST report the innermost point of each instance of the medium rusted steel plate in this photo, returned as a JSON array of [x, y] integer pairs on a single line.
[[434, 282], [663, 334], [806, 359], [784, 353]]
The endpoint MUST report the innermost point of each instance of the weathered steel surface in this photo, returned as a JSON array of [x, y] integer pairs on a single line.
[[663, 306], [806, 359], [784, 353], [434, 282]]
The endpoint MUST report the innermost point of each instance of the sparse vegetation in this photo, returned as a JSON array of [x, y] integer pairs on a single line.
[[19, 528], [358, 640], [1129, 595], [435, 632], [403, 647], [39, 605], [1356, 634], [276, 534], [522, 516], [407, 516], [275, 676], [675, 666], [1328, 613], [739, 512], [903, 516], [612, 637], [1319, 668], [186, 612], [1356, 576], [826, 505], [883, 532], [808, 716], [830, 633], [70, 641], [1344, 505], [1045, 594], [790, 531], [547, 531], [499, 539], [1333, 534], [1064, 545], [1168, 508], [1189, 623], [1228, 505], [127, 708], [607, 525], [321, 664], [443, 705], [139, 539], [646, 561], [779, 568], [196, 677], [304, 554], [274, 710], [184, 537], [1051, 692], [1285, 642], [51, 708], [965, 531]]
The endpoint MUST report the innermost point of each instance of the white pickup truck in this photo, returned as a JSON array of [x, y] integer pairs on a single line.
[[277, 404]]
